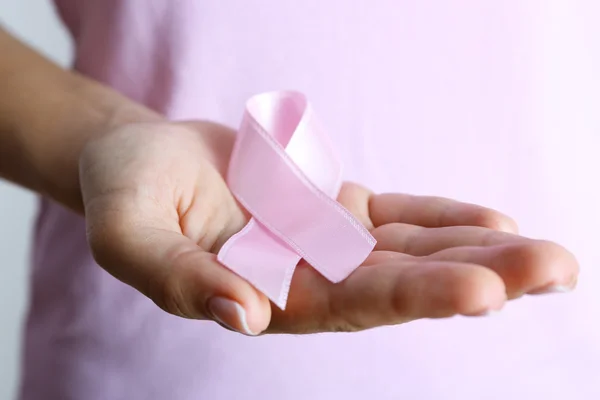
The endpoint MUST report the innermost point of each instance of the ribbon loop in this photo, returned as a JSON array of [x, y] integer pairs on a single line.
[[284, 172]]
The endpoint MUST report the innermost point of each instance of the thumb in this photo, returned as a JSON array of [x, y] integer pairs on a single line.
[[153, 256]]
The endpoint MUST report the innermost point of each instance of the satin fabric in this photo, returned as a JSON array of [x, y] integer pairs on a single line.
[[488, 102], [284, 171]]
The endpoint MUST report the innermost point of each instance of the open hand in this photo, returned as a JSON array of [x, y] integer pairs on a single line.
[[158, 210]]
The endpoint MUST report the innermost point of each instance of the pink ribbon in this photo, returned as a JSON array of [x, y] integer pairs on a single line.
[[284, 172]]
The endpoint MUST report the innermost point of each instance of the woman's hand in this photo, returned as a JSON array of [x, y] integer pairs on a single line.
[[158, 210]]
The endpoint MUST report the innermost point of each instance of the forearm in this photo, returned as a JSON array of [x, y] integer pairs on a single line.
[[47, 114]]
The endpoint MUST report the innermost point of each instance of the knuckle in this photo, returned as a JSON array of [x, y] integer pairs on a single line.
[[405, 307], [466, 297], [401, 306], [535, 256], [470, 299], [339, 318], [346, 326]]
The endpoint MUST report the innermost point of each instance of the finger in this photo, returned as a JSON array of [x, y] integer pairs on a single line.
[[525, 267], [150, 254], [355, 198], [384, 257], [435, 212], [388, 293], [418, 241]]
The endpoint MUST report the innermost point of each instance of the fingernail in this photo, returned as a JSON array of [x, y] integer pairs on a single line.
[[485, 313], [552, 289], [558, 289], [509, 227], [230, 314], [490, 313]]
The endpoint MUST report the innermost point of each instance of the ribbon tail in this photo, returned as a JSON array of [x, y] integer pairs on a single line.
[[263, 259], [284, 172]]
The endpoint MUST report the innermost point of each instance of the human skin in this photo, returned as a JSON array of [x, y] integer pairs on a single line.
[[157, 210]]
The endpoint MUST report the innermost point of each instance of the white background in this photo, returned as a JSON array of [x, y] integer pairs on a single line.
[[35, 22]]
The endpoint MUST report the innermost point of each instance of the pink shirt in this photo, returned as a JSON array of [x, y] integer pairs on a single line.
[[487, 102]]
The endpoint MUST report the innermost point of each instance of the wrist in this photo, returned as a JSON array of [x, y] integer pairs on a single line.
[[47, 114], [90, 110]]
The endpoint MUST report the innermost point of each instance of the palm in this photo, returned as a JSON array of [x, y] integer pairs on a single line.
[[158, 209], [434, 258]]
